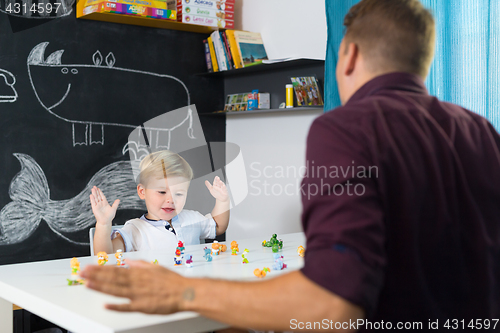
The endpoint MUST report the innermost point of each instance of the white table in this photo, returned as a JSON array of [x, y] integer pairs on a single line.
[[41, 288]]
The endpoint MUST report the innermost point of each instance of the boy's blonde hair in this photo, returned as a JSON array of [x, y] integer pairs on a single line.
[[163, 164]]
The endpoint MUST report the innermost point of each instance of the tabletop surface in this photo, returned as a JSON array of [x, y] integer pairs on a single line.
[[41, 287]]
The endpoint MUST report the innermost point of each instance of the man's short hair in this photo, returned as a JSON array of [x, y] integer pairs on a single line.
[[163, 164], [393, 35]]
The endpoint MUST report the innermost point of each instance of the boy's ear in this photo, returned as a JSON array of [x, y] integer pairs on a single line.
[[141, 191]]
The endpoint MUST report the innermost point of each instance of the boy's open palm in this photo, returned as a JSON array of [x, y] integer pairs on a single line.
[[103, 212], [218, 190]]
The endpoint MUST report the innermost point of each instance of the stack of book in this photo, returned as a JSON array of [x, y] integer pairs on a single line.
[[209, 13], [147, 8], [233, 49]]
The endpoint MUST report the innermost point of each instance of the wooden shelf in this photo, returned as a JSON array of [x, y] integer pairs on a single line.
[[265, 67], [241, 113], [142, 21]]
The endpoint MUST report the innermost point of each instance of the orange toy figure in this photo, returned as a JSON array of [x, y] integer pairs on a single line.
[[301, 251], [222, 248], [234, 248], [102, 258], [75, 269], [119, 257], [261, 273], [215, 248]]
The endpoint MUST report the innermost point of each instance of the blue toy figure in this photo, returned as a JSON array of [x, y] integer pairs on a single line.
[[178, 261], [278, 262], [208, 254]]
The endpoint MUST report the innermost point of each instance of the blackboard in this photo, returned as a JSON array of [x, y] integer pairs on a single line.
[[68, 87]]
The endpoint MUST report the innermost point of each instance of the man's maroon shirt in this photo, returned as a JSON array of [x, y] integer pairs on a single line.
[[422, 240]]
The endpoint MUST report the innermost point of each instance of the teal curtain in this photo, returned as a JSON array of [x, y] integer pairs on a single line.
[[466, 67]]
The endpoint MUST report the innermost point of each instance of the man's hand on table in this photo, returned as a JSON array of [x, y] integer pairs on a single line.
[[151, 288]]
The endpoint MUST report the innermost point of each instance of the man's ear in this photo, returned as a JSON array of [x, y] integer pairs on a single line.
[[141, 191], [352, 58]]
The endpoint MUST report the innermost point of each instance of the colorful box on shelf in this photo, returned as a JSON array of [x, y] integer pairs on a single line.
[[227, 5], [144, 3], [206, 21], [116, 7], [199, 11]]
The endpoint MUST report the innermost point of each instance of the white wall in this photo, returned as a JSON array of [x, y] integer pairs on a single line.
[[273, 149], [274, 142], [290, 28]]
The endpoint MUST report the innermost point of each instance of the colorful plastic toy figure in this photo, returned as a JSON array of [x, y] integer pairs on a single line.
[[261, 273], [301, 251], [155, 262], [244, 256], [278, 262], [222, 248], [215, 248], [178, 252], [178, 261], [208, 255], [75, 269], [234, 248], [119, 257], [274, 240], [102, 258], [189, 260], [180, 246]]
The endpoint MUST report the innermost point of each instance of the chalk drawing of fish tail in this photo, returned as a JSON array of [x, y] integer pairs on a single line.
[[31, 201]]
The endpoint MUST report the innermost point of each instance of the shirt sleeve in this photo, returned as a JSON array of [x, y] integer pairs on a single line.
[[342, 213], [131, 236]]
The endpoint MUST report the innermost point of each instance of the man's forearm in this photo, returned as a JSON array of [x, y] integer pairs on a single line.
[[266, 305]]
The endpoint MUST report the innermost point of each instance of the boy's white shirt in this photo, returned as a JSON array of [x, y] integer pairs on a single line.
[[190, 226]]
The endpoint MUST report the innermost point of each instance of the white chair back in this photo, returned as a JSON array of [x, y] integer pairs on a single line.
[[91, 237]]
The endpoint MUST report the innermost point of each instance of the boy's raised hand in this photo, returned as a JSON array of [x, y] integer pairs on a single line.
[[218, 190], [103, 212]]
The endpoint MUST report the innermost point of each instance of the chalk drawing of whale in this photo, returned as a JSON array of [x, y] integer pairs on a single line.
[[30, 195], [101, 94], [7, 93], [48, 12]]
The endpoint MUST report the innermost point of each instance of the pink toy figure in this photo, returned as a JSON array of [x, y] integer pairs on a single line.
[[189, 260]]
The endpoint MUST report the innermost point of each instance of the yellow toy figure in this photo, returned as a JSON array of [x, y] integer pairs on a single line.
[[244, 256], [102, 258], [155, 262], [119, 257], [75, 269], [234, 248], [215, 248], [301, 251]]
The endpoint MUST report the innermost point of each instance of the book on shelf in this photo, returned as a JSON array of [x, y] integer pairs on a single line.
[[234, 49], [251, 47], [220, 51], [228, 51], [215, 65], [208, 58]]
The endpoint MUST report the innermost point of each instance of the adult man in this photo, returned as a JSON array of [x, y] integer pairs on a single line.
[[406, 232]]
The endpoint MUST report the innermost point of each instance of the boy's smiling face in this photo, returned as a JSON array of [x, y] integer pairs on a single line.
[[165, 198]]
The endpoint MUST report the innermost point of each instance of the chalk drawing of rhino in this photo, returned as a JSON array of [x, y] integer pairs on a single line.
[[90, 97]]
